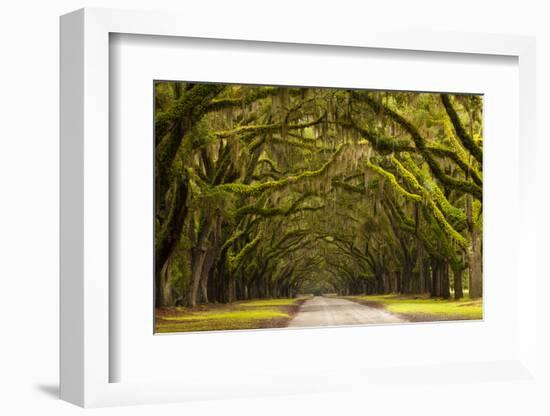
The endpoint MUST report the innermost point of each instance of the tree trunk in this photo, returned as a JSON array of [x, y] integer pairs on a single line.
[[400, 280], [204, 288], [445, 290], [426, 276], [380, 284], [474, 255], [207, 266], [198, 258], [198, 262], [421, 276], [174, 226], [231, 290], [457, 283], [415, 283], [437, 281], [164, 294]]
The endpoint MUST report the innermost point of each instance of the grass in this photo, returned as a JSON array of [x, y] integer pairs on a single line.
[[254, 314], [268, 302], [422, 309]]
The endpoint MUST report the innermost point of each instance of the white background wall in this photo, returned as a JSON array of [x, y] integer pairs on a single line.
[[29, 183]]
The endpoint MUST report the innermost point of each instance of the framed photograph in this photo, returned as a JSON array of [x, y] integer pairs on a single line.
[[238, 209]]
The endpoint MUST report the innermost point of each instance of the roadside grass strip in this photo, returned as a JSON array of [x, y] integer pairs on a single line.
[[419, 309], [253, 314]]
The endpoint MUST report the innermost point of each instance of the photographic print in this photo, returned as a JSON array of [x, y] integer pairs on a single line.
[[281, 206]]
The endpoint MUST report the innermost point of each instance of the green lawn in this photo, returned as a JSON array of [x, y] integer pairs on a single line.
[[420, 309], [254, 314]]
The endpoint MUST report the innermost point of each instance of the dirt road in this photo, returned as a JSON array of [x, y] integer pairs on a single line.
[[326, 311]]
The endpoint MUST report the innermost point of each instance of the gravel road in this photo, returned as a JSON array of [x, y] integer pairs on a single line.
[[326, 311]]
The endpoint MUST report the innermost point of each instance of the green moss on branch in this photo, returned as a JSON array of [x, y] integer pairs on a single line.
[[393, 181]]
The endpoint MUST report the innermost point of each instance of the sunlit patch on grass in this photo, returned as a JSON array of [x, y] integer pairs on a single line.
[[230, 315], [426, 309], [271, 313], [268, 302]]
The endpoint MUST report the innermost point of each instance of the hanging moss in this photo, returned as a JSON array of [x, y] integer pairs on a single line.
[[252, 96], [257, 189], [272, 212], [265, 128], [421, 147]]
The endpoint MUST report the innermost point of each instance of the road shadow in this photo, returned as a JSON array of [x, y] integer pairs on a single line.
[[51, 390]]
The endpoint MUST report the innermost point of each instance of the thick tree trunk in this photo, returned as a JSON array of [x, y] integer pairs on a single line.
[[476, 272], [426, 276], [170, 232], [421, 277], [415, 283], [206, 268], [380, 284], [204, 289], [398, 288], [435, 289], [231, 292], [445, 289], [164, 293], [405, 284], [407, 279], [474, 255], [390, 282], [198, 262], [457, 283], [198, 257]]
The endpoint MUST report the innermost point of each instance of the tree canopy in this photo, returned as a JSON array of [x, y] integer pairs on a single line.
[[266, 191]]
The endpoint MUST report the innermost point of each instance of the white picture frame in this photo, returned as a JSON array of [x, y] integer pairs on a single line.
[[85, 164]]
